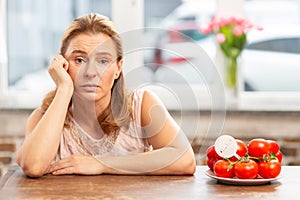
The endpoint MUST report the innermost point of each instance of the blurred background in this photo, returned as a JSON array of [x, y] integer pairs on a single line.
[[34, 30], [268, 101]]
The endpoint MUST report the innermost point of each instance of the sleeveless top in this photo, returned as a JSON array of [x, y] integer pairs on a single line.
[[75, 140]]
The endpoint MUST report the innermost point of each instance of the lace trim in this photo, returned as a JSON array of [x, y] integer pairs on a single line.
[[89, 145]]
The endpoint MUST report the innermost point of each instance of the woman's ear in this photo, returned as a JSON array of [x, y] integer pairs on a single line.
[[120, 65], [118, 72]]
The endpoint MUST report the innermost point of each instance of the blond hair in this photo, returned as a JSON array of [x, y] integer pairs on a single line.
[[119, 113]]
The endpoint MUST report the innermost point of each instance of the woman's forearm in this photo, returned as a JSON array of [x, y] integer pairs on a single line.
[[165, 161], [175, 159], [178, 158], [40, 146]]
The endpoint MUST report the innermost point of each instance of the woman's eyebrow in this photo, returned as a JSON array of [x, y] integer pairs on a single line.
[[78, 51], [101, 53], [104, 53]]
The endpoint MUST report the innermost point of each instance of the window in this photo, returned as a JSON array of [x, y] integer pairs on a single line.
[[34, 30], [271, 64], [280, 35], [284, 45], [269, 72]]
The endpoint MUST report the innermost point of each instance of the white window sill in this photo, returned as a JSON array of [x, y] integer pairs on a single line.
[[269, 101], [179, 98], [21, 100], [202, 99]]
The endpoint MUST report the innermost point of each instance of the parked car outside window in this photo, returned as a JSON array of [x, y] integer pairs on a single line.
[[268, 63]]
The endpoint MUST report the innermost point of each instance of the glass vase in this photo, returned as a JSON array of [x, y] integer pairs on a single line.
[[231, 79], [231, 73]]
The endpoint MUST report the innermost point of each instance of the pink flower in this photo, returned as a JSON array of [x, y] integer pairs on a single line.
[[248, 25], [223, 22], [220, 38], [231, 33], [238, 31], [235, 20], [239, 20], [207, 28], [260, 28]]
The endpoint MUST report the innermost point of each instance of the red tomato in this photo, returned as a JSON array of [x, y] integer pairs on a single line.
[[275, 149], [241, 150], [269, 169], [211, 152], [246, 169], [222, 168], [258, 147], [279, 156], [212, 157], [273, 146]]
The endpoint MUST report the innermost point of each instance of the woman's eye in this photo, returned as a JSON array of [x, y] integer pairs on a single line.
[[103, 61], [80, 60]]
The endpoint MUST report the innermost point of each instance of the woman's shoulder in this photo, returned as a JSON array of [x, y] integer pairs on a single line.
[[147, 102], [140, 98], [145, 95]]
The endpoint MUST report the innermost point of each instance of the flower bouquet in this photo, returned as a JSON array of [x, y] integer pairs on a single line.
[[231, 35]]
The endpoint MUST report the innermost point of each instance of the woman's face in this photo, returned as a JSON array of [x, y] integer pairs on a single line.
[[93, 65]]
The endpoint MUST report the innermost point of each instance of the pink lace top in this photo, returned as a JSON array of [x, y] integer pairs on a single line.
[[75, 140]]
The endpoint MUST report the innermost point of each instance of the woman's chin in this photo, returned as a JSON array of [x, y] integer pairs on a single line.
[[86, 95]]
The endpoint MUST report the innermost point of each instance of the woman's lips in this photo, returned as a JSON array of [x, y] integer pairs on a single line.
[[90, 87]]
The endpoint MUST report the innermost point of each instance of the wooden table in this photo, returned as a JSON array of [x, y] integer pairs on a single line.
[[14, 185]]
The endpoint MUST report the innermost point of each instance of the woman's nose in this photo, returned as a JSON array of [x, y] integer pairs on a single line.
[[90, 70]]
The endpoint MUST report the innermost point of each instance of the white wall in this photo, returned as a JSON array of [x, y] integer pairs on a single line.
[[128, 16], [229, 7]]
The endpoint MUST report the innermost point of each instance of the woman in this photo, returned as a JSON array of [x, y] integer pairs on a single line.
[[90, 125]]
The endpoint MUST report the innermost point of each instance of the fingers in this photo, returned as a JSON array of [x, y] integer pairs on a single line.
[[69, 165], [58, 71], [76, 164], [68, 170], [60, 60], [61, 166]]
